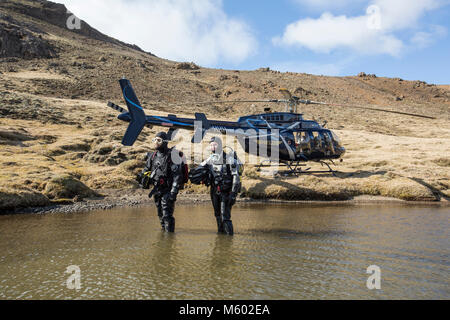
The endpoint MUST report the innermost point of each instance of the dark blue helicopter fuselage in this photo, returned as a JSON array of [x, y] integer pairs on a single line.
[[282, 129]]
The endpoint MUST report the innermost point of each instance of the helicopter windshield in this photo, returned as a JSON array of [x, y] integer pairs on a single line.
[[336, 139], [318, 143], [328, 144]]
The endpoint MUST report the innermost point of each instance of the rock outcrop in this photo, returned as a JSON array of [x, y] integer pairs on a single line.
[[58, 15], [19, 40]]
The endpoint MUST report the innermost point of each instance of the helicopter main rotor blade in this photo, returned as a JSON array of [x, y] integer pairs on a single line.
[[378, 109], [301, 101], [295, 100], [234, 101]]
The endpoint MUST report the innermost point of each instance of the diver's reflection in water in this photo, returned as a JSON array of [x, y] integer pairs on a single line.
[[175, 269], [224, 268], [164, 249], [164, 259], [223, 254]]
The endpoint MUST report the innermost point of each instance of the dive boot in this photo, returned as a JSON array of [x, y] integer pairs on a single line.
[[169, 224], [220, 228], [228, 227]]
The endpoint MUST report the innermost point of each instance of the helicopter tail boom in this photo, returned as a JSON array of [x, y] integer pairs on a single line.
[[199, 133]]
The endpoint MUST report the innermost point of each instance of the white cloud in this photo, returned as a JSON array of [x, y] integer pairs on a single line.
[[180, 30], [371, 33], [424, 39]]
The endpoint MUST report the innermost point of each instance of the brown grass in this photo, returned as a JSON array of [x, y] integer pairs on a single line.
[[11, 199], [54, 123], [66, 187], [327, 188]]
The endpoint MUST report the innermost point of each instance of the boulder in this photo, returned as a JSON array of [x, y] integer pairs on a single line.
[[187, 66]]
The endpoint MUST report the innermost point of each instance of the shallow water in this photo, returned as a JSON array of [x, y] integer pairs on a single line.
[[279, 251]]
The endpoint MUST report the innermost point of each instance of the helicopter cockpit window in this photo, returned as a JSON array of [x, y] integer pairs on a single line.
[[336, 140], [316, 144], [328, 144], [338, 148]]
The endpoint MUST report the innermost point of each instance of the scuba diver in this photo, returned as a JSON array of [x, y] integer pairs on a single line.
[[220, 171], [162, 171]]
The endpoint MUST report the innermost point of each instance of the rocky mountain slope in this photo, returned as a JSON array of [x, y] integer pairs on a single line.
[[58, 140]]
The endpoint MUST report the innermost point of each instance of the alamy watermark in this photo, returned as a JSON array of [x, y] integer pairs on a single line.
[[257, 144], [373, 17], [72, 22], [374, 281], [73, 282]]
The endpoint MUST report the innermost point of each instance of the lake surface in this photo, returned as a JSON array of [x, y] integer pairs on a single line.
[[279, 251]]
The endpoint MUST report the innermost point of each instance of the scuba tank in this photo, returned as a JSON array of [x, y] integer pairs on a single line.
[[237, 160]]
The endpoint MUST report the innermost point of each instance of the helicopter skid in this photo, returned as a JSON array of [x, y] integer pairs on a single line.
[[295, 168]]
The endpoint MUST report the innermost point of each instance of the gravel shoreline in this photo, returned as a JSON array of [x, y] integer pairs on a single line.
[[111, 199], [139, 198]]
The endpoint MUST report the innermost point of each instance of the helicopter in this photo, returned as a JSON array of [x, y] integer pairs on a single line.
[[282, 137]]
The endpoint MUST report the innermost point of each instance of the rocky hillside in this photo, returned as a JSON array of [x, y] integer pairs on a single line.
[[58, 139]]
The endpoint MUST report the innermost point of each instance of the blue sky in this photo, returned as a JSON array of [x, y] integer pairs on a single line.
[[394, 38]]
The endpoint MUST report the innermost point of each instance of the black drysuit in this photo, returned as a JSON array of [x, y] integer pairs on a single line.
[[167, 179]]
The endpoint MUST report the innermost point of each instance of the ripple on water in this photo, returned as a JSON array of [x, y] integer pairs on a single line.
[[278, 252]]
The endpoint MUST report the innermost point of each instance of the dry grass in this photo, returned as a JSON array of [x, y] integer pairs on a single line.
[[33, 154], [66, 187], [54, 123], [11, 199], [327, 188]]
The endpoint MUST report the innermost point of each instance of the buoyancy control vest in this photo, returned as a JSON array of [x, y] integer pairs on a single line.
[[164, 171], [221, 177]]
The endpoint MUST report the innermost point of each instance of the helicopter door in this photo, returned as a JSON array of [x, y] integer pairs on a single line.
[[303, 142], [316, 143], [259, 146]]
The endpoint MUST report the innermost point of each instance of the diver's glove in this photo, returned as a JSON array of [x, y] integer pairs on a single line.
[[173, 196], [233, 197], [173, 193], [145, 179]]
